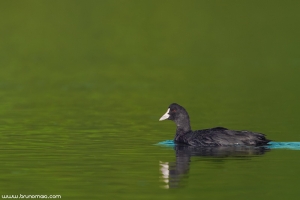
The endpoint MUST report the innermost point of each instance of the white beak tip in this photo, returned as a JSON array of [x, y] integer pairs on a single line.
[[161, 119]]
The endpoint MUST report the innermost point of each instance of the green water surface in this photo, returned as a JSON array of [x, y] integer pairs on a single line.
[[83, 84]]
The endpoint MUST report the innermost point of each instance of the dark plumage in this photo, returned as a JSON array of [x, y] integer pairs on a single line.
[[218, 136]]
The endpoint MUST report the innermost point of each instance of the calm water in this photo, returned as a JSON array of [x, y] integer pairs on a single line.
[[83, 84]]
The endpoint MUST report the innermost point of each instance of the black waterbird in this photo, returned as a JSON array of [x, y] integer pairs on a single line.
[[217, 136]]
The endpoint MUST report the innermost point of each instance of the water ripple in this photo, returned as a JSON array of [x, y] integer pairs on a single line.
[[272, 145]]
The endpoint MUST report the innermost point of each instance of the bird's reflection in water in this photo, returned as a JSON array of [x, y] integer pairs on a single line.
[[173, 172]]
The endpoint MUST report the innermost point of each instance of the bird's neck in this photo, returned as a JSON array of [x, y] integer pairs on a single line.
[[183, 127]]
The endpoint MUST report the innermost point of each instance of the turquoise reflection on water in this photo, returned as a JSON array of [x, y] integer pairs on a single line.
[[285, 145], [272, 145]]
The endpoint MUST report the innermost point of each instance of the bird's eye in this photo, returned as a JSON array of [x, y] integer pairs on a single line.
[[173, 110]]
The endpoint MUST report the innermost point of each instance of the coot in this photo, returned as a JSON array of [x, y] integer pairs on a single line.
[[218, 136]]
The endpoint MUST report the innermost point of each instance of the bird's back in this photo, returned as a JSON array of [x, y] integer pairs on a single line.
[[220, 136]]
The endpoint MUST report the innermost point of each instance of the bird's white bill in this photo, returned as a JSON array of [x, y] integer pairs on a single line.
[[165, 116]]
